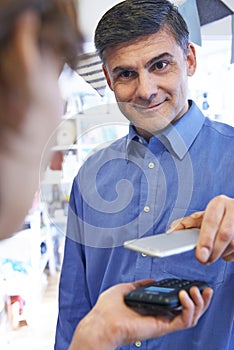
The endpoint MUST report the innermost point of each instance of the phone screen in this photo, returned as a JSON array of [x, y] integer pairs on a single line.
[[157, 290]]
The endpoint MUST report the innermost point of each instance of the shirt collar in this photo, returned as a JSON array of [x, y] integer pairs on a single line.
[[178, 137]]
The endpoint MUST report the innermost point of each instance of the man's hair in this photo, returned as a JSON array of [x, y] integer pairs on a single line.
[[132, 19], [59, 26]]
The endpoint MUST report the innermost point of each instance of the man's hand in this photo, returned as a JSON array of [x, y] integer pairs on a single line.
[[111, 323], [217, 230]]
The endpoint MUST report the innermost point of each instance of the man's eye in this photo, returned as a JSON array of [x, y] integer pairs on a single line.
[[126, 74], [161, 65]]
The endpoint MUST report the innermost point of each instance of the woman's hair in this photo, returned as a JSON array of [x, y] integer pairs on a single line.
[[131, 19], [59, 25]]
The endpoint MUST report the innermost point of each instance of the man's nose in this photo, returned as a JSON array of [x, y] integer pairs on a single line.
[[147, 88]]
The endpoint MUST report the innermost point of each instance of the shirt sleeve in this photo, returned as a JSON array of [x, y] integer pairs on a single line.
[[74, 301]]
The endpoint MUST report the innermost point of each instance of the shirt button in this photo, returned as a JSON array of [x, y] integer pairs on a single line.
[[143, 254], [138, 344], [140, 140], [146, 209], [151, 165]]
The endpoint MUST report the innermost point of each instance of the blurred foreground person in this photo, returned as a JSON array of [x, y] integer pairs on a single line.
[[36, 39]]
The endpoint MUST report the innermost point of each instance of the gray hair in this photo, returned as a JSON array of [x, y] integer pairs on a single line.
[[131, 19]]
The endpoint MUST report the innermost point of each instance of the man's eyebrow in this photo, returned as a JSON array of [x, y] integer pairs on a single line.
[[164, 55]]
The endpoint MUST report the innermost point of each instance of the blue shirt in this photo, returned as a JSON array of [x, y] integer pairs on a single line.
[[134, 189]]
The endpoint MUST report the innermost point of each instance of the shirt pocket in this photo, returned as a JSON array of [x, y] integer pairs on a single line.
[[186, 266]]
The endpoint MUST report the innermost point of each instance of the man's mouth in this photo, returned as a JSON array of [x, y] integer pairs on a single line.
[[151, 107]]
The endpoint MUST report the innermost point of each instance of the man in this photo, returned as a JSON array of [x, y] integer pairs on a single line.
[[36, 38], [170, 165]]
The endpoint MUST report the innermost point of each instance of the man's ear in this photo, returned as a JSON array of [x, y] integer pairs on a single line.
[[191, 60], [107, 76]]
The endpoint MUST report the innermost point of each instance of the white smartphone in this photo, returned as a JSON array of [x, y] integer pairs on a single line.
[[165, 244]]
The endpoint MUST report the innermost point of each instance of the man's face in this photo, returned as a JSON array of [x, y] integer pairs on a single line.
[[149, 78]]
